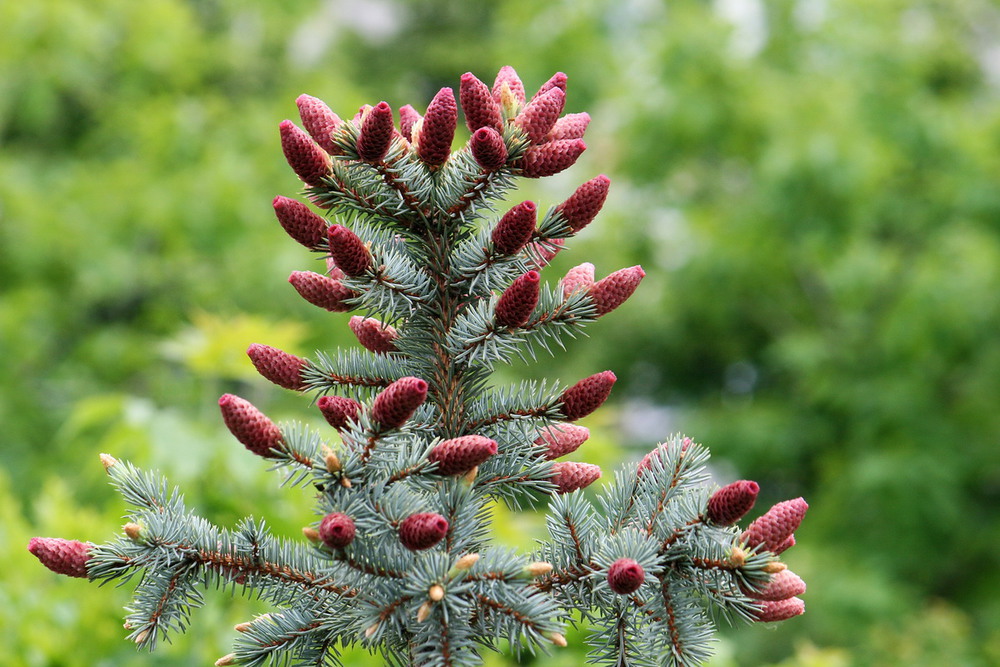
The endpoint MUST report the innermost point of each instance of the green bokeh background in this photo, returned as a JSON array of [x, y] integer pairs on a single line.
[[811, 186]]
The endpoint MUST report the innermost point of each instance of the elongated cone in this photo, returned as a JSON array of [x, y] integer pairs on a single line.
[[300, 223], [281, 368], [488, 149], [322, 291], [731, 503], [544, 252], [585, 203], [249, 425], [304, 156], [438, 129], [539, 115], [336, 530], [375, 336], [625, 576], [348, 251], [507, 75], [338, 410], [658, 452], [551, 158], [67, 557], [557, 80], [780, 610], [587, 395], [376, 132], [787, 544], [320, 122], [561, 439], [422, 531], [570, 126], [580, 277], [480, 107], [515, 228], [572, 475], [408, 119], [458, 456], [397, 402], [776, 525], [612, 291], [518, 301], [783, 585]]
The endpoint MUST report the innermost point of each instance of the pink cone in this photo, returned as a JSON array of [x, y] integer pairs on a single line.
[[249, 425], [771, 530], [572, 475], [509, 76], [557, 80], [516, 304], [397, 402], [515, 228], [300, 223], [281, 368], [585, 203], [587, 395], [422, 531], [304, 156], [458, 456], [551, 158], [348, 251], [488, 149], [540, 114], [625, 576], [780, 610], [578, 278], [322, 291], [374, 335], [320, 122], [543, 253], [67, 557], [408, 119], [570, 126], [338, 410], [783, 585], [562, 439], [731, 503], [480, 107], [437, 132], [612, 291], [376, 132], [336, 530]]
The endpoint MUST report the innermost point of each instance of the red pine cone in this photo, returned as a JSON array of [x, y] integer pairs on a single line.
[[612, 291], [731, 503], [774, 527], [572, 475], [338, 410], [570, 126], [783, 585], [348, 251], [557, 80], [787, 544], [516, 304], [422, 531], [545, 252], [515, 228], [67, 557], [396, 403], [320, 122], [508, 76], [625, 576], [257, 433], [587, 395], [374, 335], [562, 439], [376, 132], [540, 114], [300, 223], [488, 149], [281, 368], [585, 203], [304, 156], [779, 610], [336, 530], [580, 277], [408, 119], [551, 158], [480, 107], [657, 453], [458, 456], [438, 129], [322, 291]]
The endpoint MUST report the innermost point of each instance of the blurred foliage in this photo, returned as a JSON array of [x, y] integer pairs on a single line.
[[810, 184]]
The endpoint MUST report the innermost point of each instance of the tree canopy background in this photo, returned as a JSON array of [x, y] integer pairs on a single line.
[[811, 186]]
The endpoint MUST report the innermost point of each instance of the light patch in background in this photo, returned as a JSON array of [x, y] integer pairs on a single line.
[[749, 21], [375, 21]]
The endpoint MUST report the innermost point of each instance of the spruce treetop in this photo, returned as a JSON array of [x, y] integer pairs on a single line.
[[410, 442]]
